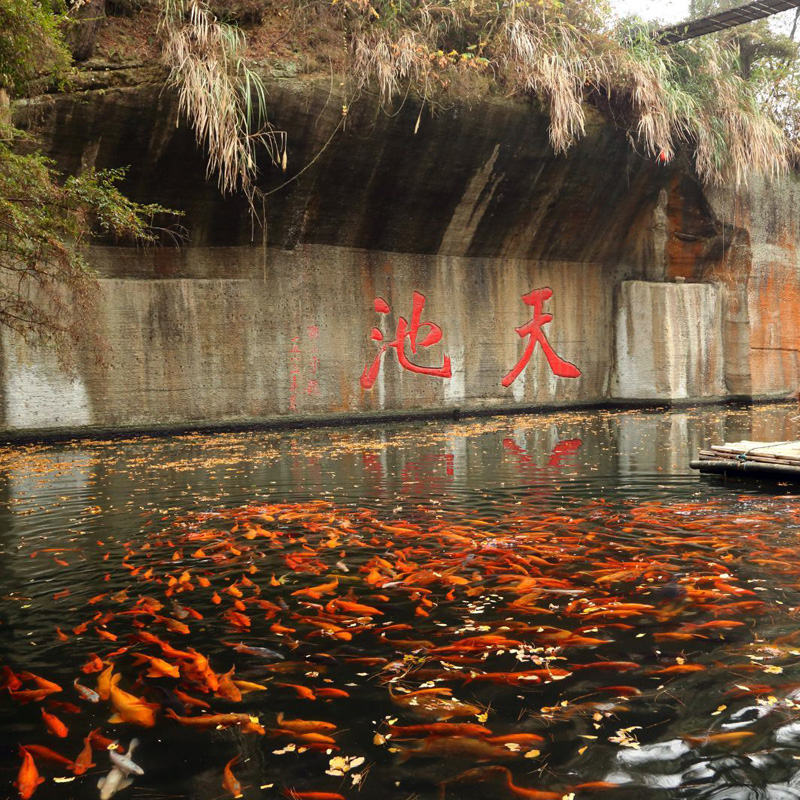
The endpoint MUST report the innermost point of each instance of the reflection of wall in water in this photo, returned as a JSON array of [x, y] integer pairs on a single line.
[[662, 442]]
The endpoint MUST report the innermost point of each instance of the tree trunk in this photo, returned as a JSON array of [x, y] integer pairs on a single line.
[[83, 27]]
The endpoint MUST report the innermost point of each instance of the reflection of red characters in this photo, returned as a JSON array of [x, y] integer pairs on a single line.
[[561, 368], [409, 332]]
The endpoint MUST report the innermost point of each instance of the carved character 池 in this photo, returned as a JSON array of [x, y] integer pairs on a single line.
[[533, 329], [406, 333]]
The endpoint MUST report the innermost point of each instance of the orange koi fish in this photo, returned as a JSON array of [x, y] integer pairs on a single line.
[[54, 725], [350, 607], [229, 781], [130, 708], [456, 747], [28, 777], [611, 666], [24, 696], [677, 669], [189, 700], [158, 667], [100, 742], [516, 738], [438, 729], [69, 708], [725, 739], [302, 691], [330, 691], [94, 664], [8, 680], [227, 688], [42, 683], [530, 794], [714, 623], [84, 760], [104, 682], [46, 754], [247, 723], [304, 725]]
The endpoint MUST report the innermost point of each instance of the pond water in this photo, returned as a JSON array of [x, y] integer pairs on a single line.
[[536, 606]]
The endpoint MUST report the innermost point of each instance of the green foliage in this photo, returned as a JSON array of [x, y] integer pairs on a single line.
[[30, 43], [47, 289]]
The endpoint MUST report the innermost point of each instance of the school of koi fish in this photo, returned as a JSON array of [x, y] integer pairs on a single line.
[[330, 651]]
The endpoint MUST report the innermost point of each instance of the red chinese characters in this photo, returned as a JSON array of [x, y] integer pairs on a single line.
[[407, 334], [563, 369]]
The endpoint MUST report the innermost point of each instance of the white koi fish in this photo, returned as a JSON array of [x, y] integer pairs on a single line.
[[112, 783], [119, 777], [124, 763]]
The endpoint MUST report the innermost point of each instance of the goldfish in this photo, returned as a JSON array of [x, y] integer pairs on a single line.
[[54, 724], [229, 781], [245, 687], [46, 754], [28, 695], [433, 707], [84, 760], [456, 747], [531, 794], [94, 664], [330, 691], [104, 682], [69, 708], [304, 725], [42, 683], [130, 708], [351, 607], [678, 669], [725, 739], [301, 691], [189, 700], [28, 776], [158, 667], [516, 738], [612, 666], [227, 688], [208, 721], [438, 729], [100, 742], [8, 680]]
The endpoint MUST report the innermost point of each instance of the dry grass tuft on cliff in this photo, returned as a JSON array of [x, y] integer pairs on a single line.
[[222, 97], [731, 100], [568, 56]]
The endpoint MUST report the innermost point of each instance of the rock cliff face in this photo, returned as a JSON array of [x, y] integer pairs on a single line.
[[401, 272]]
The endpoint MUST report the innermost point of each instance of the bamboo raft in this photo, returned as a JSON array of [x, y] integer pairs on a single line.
[[768, 459]]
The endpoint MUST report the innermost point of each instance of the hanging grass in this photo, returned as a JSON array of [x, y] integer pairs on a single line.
[[222, 97], [569, 57]]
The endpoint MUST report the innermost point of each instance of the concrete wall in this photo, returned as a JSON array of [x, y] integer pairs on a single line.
[[669, 341], [474, 213]]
